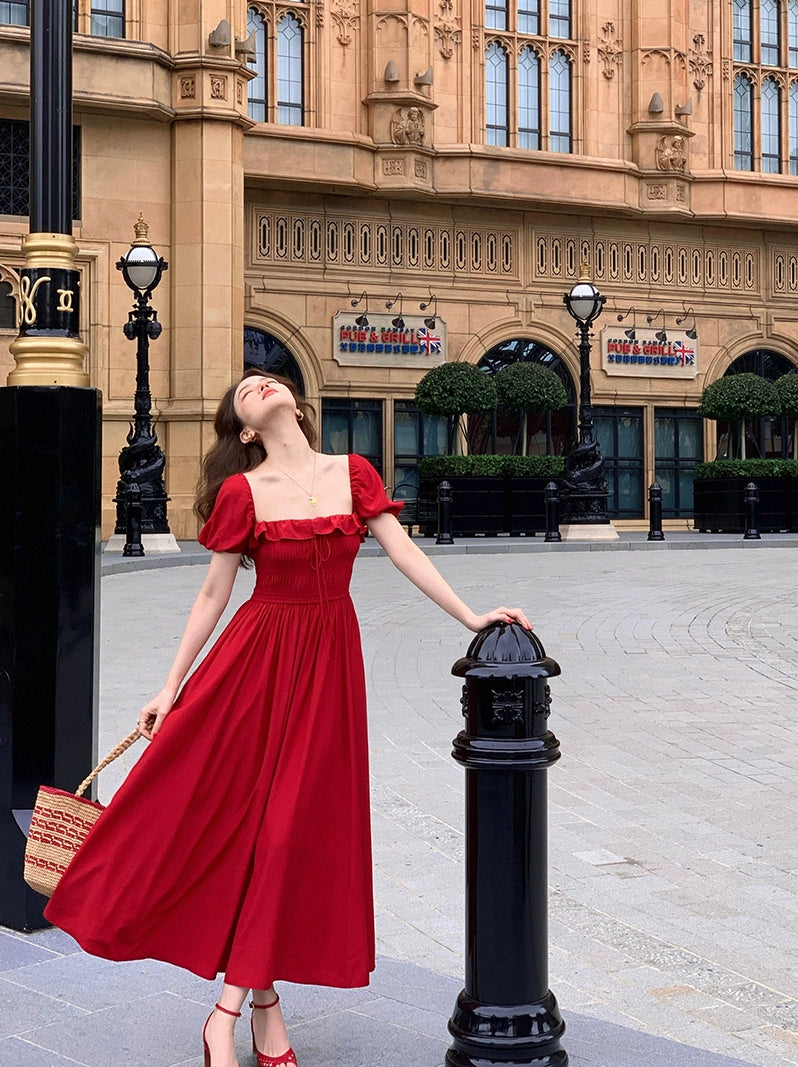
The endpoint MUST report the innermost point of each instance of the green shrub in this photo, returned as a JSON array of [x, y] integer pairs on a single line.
[[739, 396], [491, 466], [748, 468], [530, 387], [787, 388], [455, 389]]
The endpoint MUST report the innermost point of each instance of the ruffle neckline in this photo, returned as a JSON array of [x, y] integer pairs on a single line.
[[305, 529]]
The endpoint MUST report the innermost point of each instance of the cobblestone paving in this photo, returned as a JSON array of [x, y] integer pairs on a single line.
[[673, 845]]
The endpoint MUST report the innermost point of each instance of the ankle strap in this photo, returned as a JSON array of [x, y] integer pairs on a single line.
[[235, 1014], [276, 1000]]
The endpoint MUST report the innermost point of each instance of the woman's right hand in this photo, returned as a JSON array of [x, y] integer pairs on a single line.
[[152, 715]]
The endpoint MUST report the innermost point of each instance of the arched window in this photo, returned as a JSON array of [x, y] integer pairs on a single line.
[[741, 14], [743, 123], [528, 99], [769, 23], [290, 80], [265, 352], [8, 311], [771, 132], [794, 128], [560, 103], [768, 437], [496, 105], [792, 32], [499, 431], [258, 96]]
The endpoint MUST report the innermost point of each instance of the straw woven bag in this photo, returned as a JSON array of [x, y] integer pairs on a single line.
[[60, 824]]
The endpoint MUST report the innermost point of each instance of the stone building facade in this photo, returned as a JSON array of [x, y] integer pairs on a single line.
[[306, 163]]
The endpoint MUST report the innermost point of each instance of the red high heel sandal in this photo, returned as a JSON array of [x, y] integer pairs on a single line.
[[263, 1059], [217, 1007]]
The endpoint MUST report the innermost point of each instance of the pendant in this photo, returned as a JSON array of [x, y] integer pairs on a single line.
[[313, 501]]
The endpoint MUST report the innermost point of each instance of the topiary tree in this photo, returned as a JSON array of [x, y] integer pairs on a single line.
[[455, 389], [529, 387], [787, 388], [737, 398]]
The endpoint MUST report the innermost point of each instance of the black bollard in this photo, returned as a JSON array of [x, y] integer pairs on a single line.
[[133, 545], [655, 513], [552, 499], [506, 1013], [751, 499], [444, 515]]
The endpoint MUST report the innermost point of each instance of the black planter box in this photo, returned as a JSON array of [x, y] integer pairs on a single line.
[[720, 504], [487, 505]]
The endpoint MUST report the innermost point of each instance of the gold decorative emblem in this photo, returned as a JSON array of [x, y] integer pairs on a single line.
[[65, 303], [26, 294]]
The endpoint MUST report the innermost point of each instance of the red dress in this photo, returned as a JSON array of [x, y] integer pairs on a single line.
[[240, 841]]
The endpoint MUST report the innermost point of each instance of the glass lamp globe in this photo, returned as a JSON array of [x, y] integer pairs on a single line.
[[141, 267]]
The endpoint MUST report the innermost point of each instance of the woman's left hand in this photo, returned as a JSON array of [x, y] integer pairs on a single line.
[[502, 614]]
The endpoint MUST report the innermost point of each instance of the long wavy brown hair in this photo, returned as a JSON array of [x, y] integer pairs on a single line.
[[229, 455]]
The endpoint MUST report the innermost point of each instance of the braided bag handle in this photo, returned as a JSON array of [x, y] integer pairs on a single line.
[[115, 753]]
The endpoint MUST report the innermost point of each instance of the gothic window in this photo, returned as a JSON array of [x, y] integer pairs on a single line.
[[560, 108], [528, 16], [765, 103], [769, 19], [528, 74], [257, 87], [743, 123], [496, 104], [108, 18], [771, 134], [528, 99], [496, 14], [289, 71], [560, 18], [277, 93], [792, 34], [742, 30]]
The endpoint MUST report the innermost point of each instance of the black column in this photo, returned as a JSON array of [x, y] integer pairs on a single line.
[[50, 426], [51, 116]]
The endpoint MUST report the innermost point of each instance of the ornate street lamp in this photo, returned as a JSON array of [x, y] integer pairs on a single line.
[[141, 461], [584, 483]]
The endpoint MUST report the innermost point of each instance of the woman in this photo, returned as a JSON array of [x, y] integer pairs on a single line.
[[240, 841]]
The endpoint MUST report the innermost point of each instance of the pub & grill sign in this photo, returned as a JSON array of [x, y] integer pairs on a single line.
[[645, 356], [382, 344]]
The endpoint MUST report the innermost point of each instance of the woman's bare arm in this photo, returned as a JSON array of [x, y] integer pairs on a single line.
[[407, 557], [211, 601]]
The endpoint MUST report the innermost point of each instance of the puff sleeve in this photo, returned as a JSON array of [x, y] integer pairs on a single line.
[[229, 527], [368, 493]]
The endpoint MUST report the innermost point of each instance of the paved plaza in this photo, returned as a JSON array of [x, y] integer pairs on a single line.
[[673, 843]]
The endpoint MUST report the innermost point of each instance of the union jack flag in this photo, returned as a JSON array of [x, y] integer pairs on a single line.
[[684, 353], [428, 340]]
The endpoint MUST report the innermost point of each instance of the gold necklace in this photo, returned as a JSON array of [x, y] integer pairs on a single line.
[[312, 500]]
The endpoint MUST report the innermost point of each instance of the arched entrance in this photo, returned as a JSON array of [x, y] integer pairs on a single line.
[[768, 437], [265, 352], [500, 431]]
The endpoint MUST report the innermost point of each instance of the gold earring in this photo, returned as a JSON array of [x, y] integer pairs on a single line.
[[300, 415], [248, 437]]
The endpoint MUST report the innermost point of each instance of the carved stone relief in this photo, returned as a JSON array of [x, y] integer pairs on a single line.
[[188, 88], [218, 87], [671, 153], [700, 62], [447, 29], [346, 16], [610, 50], [408, 129]]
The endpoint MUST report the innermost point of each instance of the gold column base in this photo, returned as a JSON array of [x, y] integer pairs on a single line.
[[43, 359]]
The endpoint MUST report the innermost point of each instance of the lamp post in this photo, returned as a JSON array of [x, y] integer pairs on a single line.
[[142, 460], [584, 483]]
